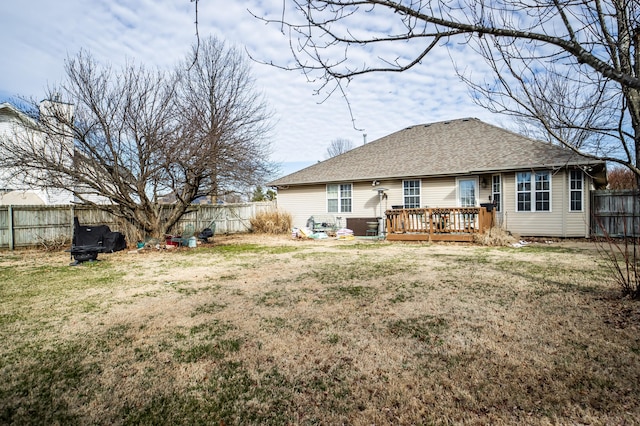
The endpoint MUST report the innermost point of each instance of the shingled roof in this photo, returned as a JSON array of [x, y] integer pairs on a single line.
[[456, 147]]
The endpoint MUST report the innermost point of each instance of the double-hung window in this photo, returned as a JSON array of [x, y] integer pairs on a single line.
[[339, 198], [411, 191], [576, 193], [496, 192], [533, 191]]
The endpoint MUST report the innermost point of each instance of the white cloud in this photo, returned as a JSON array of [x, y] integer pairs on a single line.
[[40, 34]]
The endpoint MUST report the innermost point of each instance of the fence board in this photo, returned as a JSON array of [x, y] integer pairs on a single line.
[[615, 213], [25, 226]]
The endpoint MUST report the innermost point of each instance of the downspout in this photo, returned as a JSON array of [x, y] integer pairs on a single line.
[[586, 197]]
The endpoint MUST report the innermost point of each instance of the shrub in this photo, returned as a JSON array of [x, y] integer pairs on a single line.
[[271, 223], [622, 256], [54, 244]]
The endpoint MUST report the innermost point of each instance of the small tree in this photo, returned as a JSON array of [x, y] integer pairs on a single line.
[[621, 178], [338, 146], [260, 195]]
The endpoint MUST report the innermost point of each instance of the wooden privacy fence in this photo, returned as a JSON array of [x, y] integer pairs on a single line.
[[438, 224], [615, 213], [25, 226]]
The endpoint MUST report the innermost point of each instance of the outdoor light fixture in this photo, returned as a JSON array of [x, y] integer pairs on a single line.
[[483, 183]]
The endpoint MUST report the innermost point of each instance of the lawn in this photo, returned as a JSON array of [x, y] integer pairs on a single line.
[[268, 330]]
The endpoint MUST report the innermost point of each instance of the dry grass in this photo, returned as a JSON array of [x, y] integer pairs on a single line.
[[271, 330], [271, 223], [495, 237]]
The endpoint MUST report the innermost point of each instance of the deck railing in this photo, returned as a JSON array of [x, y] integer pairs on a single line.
[[442, 223]]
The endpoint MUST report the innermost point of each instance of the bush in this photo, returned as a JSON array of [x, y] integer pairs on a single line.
[[622, 256], [54, 244], [271, 223]]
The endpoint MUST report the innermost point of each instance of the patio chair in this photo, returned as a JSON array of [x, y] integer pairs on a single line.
[[207, 232], [183, 239]]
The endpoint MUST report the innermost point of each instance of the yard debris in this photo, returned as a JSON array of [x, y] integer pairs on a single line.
[[345, 234], [301, 232], [319, 236], [305, 232], [496, 237], [520, 243]]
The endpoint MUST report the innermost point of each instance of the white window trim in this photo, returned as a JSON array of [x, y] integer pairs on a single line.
[[581, 191], [419, 187], [476, 190], [501, 191], [326, 194], [533, 192]]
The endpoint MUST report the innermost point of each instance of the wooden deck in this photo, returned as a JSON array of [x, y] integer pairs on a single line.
[[437, 224]]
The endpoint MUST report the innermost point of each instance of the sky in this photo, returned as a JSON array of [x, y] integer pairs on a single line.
[[39, 35]]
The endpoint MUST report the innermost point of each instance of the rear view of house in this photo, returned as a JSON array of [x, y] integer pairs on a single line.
[[535, 188]]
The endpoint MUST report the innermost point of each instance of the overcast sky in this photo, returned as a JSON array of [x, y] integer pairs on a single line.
[[38, 35]]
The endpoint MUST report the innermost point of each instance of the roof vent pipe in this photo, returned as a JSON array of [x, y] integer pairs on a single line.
[[364, 139]]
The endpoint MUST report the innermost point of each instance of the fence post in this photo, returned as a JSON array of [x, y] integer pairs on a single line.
[[10, 226]]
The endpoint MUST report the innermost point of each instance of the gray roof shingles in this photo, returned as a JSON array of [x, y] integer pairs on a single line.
[[455, 147]]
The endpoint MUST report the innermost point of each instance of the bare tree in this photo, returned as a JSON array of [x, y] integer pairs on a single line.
[[130, 142], [621, 178], [229, 121], [570, 66], [338, 146]]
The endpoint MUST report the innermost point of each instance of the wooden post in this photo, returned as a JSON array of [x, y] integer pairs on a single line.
[[431, 224], [10, 230]]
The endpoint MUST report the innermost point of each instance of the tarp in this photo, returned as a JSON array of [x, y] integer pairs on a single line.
[[88, 241]]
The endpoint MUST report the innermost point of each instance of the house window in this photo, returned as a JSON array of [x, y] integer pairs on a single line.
[[467, 192], [533, 191], [411, 193], [576, 179], [496, 191], [339, 198]]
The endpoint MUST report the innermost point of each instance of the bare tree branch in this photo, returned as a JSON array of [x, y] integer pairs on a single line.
[[591, 48], [339, 146]]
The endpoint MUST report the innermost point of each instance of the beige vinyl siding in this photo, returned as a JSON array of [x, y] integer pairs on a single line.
[[302, 202], [434, 192], [559, 222], [439, 192], [577, 223], [305, 201]]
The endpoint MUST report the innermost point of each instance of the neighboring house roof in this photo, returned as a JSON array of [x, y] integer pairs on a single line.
[[21, 198], [9, 110], [456, 147]]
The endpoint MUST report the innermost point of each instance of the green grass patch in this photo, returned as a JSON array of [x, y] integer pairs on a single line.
[[208, 308], [208, 350], [364, 246], [277, 297], [425, 328], [211, 329], [360, 270], [239, 249], [356, 291]]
